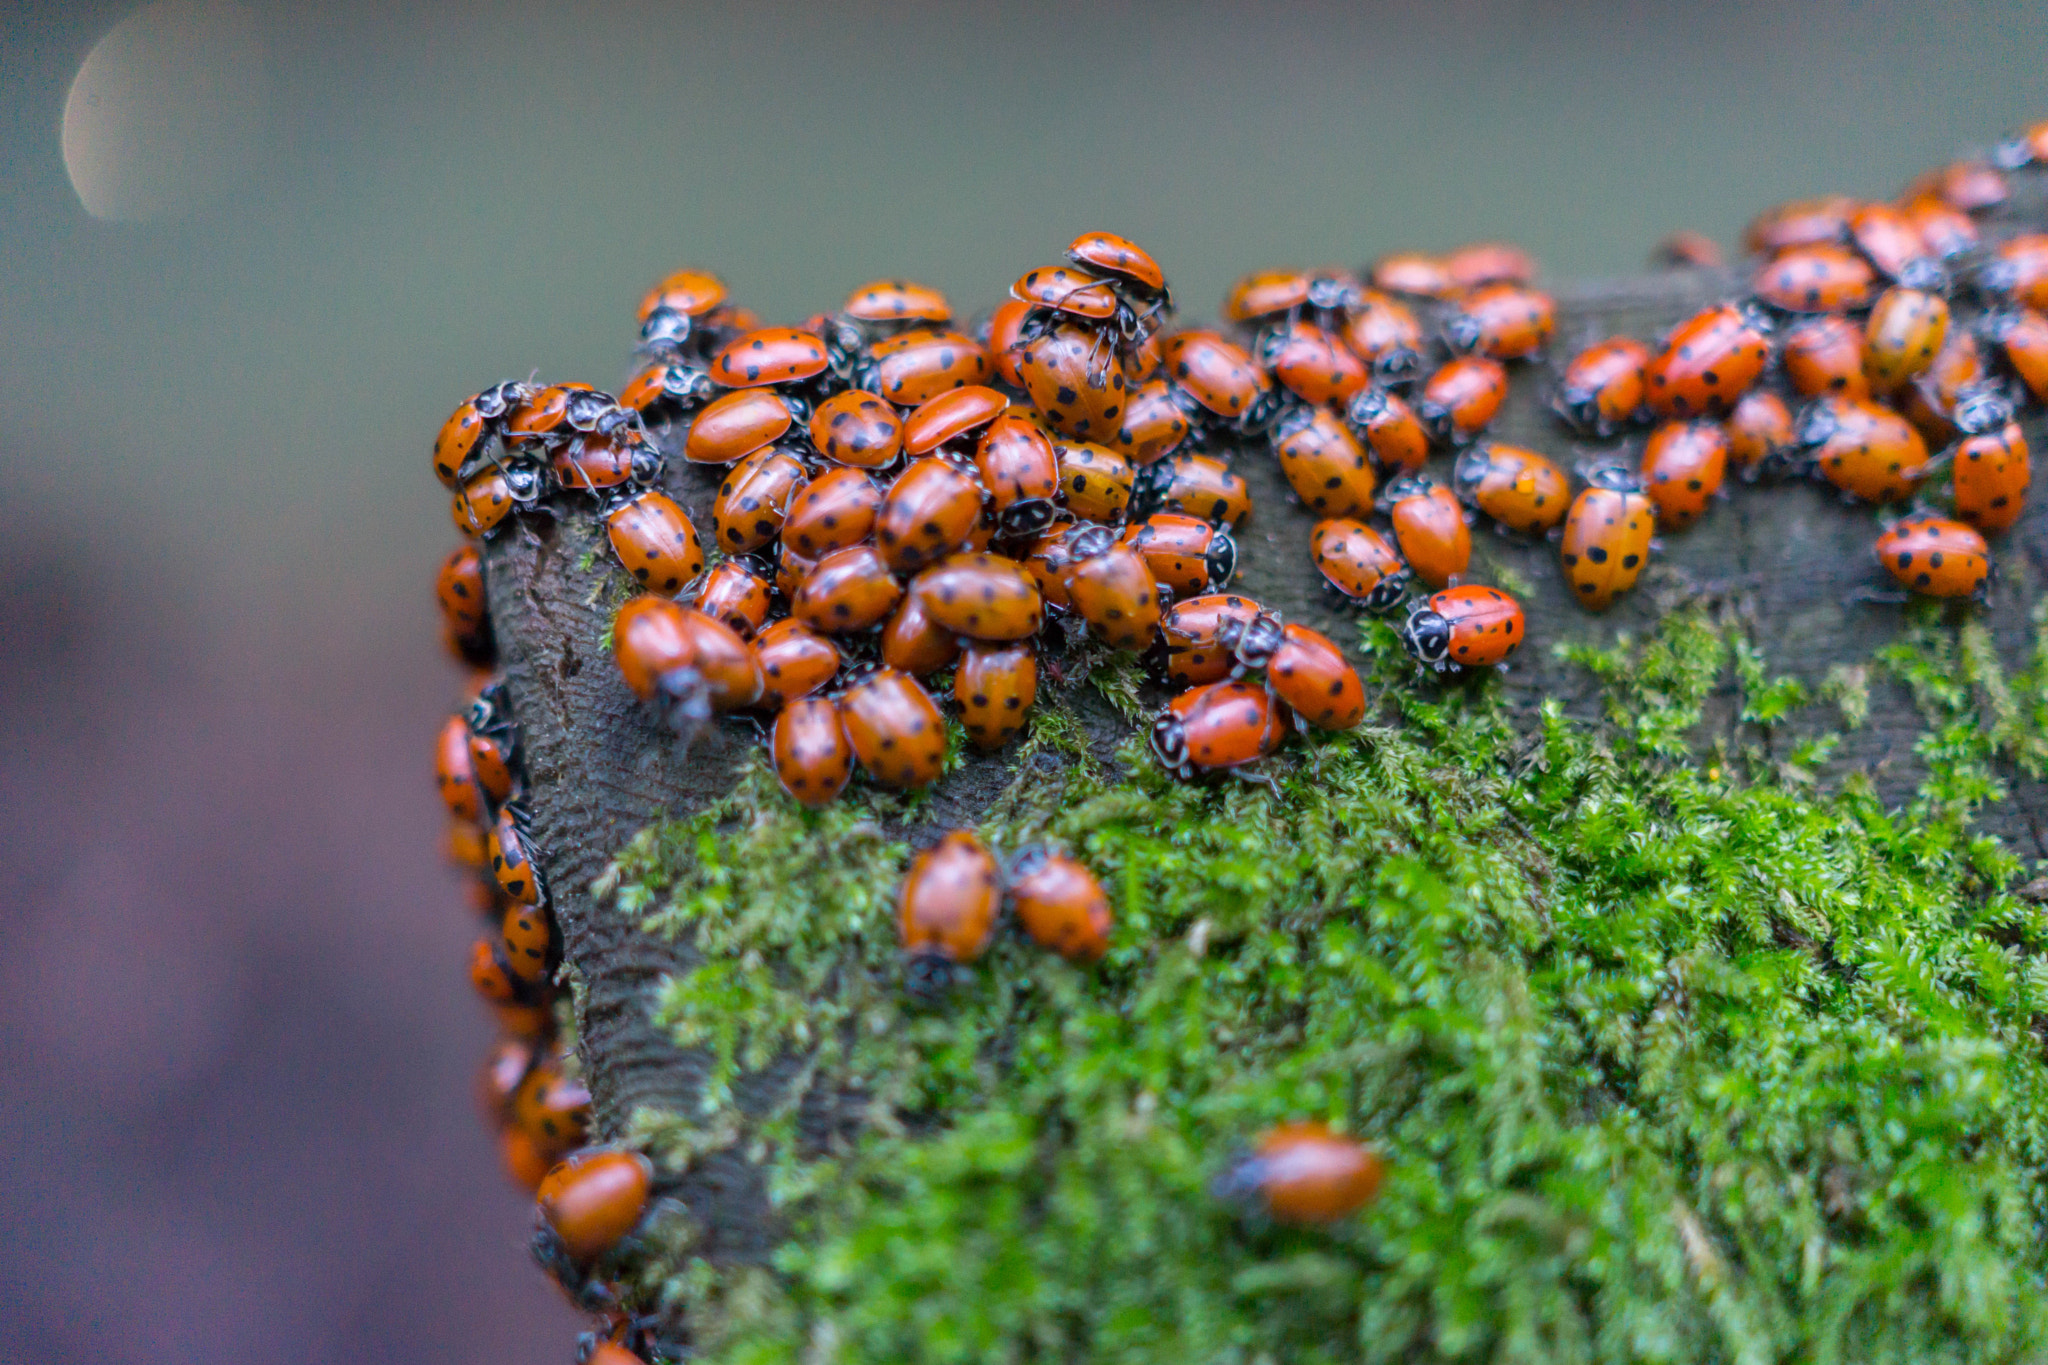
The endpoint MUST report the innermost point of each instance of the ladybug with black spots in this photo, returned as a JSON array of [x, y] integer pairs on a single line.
[[1936, 557], [1220, 727], [947, 912], [1463, 628]]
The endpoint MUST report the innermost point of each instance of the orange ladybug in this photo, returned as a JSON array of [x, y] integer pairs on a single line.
[[1906, 330], [849, 590], [995, 686], [735, 425], [483, 504], [795, 661], [1803, 222], [1707, 363], [1866, 450], [1308, 672], [754, 498], [927, 513], [1077, 392], [512, 857], [1429, 526], [736, 592], [1095, 481], [1992, 472], [1824, 355], [1411, 272], [1607, 537], [693, 293], [585, 1208], [1482, 263], [1358, 563], [1186, 554], [1303, 1173], [1154, 423], [684, 662], [1467, 627], [1461, 398], [894, 727], [1218, 727], [1503, 321], [1686, 250], [1684, 464], [2021, 336], [1112, 589], [1390, 429], [654, 538], [1815, 279], [459, 588], [551, 1108], [1384, 333], [950, 418], [947, 912], [836, 509], [1192, 485], [1936, 557], [895, 301], [914, 367], [1059, 903], [771, 355], [1601, 389], [1323, 462], [981, 596], [1312, 364], [915, 644], [1759, 432], [1218, 374], [856, 428], [1021, 473], [1192, 631], [452, 770], [472, 427], [813, 760], [1520, 489]]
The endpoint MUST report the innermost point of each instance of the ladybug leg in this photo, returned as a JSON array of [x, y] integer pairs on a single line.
[[1257, 776]]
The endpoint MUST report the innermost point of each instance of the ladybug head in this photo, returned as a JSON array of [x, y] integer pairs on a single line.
[[525, 482], [1816, 424], [1026, 517], [1397, 365], [1221, 560], [1461, 331], [1427, 636], [1614, 478], [1027, 860], [1090, 542], [1406, 487], [1369, 405], [1331, 290], [687, 384], [1925, 274], [666, 329], [1169, 741], [1253, 641], [682, 699], [1981, 407], [927, 977], [1473, 465], [1149, 489], [501, 398]]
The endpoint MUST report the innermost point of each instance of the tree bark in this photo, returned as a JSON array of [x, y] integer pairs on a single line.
[[1788, 557]]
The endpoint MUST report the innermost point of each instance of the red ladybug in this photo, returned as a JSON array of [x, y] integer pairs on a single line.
[[459, 588], [1936, 557], [1358, 562], [981, 596], [1601, 389], [1947, 232], [795, 662], [1069, 377], [684, 662], [491, 754], [771, 355], [813, 759], [1503, 321], [754, 498], [1460, 628], [1218, 374], [1193, 631], [1867, 451], [551, 1108], [1132, 267], [915, 644], [489, 498], [1304, 668], [1312, 364], [1270, 294], [1019, 469], [511, 858], [1824, 355], [1068, 289], [1992, 472], [857, 428], [1384, 333], [995, 685], [692, 293], [1518, 488], [1059, 903], [1154, 423], [896, 301], [1607, 537], [1391, 430], [1904, 333], [1193, 485], [1218, 727], [1112, 589], [849, 590], [1815, 279], [927, 513], [1004, 337], [454, 774], [585, 1208], [1890, 242], [894, 727], [735, 425], [1460, 399], [472, 427], [654, 539], [836, 509], [736, 592], [2021, 336], [1708, 362], [1096, 482], [1429, 526], [1803, 222], [1323, 462], [1186, 554], [1684, 464], [1303, 1173], [1481, 263], [1411, 272], [916, 367], [1759, 432], [950, 418], [947, 912]]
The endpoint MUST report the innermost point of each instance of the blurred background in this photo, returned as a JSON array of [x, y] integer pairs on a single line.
[[254, 256]]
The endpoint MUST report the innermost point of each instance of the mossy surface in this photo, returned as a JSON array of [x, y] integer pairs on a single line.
[[1674, 1052]]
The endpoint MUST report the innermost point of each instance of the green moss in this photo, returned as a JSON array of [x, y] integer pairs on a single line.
[[1673, 1058]]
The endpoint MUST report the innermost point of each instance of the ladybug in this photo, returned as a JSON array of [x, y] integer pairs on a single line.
[[1076, 394], [1684, 464], [1005, 334], [1429, 526], [1824, 355], [1217, 727], [947, 913], [454, 773], [542, 415], [1686, 250], [551, 1108], [1357, 562], [1867, 451], [1096, 483], [980, 596], [1057, 901], [1890, 242], [471, 428], [795, 662], [1304, 669], [1906, 330], [1021, 473], [1302, 1173], [1607, 537], [1708, 362], [1947, 232], [1601, 390], [1936, 557], [917, 366], [1518, 488], [894, 727], [1265, 293], [1186, 554], [1803, 222], [585, 1208], [995, 686], [1047, 560], [492, 979], [505, 1066], [813, 760], [1312, 364], [896, 301], [849, 590], [1192, 631], [459, 588], [1112, 589], [736, 593], [735, 425], [1992, 471], [2021, 336], [831, 512], [512, 858], [1411, 272], [771, 355], [489, 497], [915, 644], [686, 663], [953, 415], [692, 293], [1219, 375], [927, 513], [1461, 628], [1503, 321], [1972, 186], [1193, 485], [1461, 398], [754, 497], [492, 758], [1136, 273], [1815, 279], [468, 847], [1323, 462], [2022, 149], [1483, 263], [1390, 429], [1154, 424], [590, 464], [1383, 332], [857, 428], [1759, 432], [1075, 292]]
